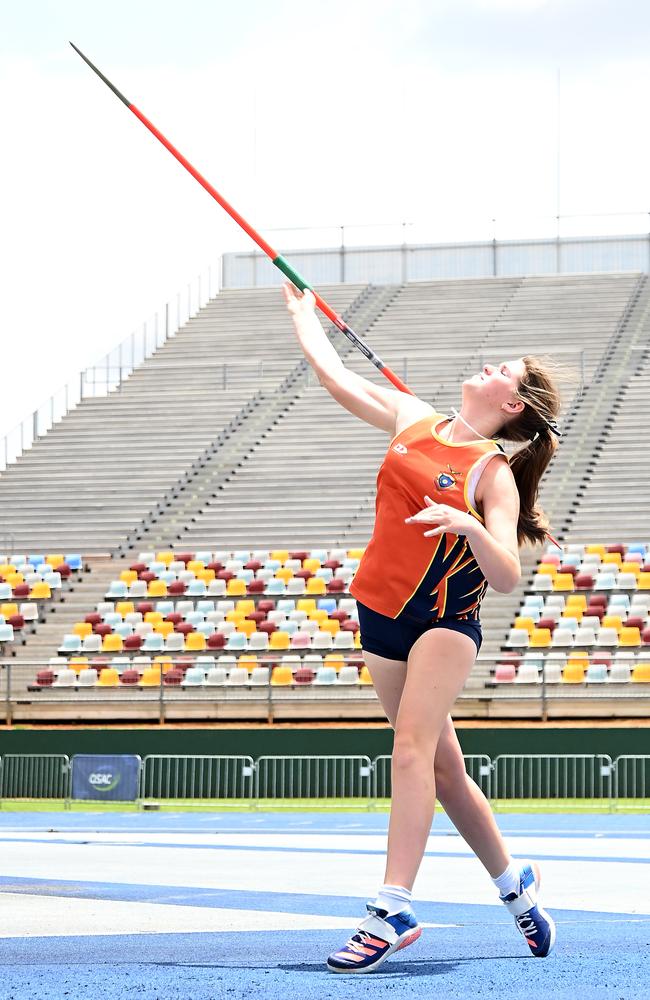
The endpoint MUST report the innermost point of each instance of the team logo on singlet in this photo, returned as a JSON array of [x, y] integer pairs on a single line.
[[401, 449], [447, 479]]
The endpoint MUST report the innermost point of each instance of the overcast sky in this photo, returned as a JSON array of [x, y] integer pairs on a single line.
[[442, 113]]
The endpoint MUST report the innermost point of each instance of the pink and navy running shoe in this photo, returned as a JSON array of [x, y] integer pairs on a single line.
[[532, 921], [376, 937]]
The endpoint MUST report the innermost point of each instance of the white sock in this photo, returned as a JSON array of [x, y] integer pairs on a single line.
[[393, 899], [509, 880]]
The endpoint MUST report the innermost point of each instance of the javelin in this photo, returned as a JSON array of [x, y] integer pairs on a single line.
[[275, 258]]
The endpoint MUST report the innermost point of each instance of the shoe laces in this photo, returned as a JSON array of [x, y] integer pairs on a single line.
[[526, 924]]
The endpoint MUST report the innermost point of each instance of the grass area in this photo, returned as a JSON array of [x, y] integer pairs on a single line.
[[318, 805]]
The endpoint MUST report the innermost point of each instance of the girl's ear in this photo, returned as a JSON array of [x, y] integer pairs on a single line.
[[515, 407]]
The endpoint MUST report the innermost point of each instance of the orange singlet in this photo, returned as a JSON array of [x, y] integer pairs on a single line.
[[402, 571]]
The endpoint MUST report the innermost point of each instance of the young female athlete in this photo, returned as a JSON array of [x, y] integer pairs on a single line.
[[451, 512]]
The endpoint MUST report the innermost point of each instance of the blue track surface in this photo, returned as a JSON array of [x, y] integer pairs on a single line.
[[61, 866]]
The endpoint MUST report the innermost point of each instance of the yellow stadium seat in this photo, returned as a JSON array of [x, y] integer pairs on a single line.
[[151, 676], [235, 616], [41, 591], [195, 642], [195, 566], [163, 628], [78, 663], [547, 569], [526, 623], [311, 564], [540, 638], [572, 612], [641, 673], [109, 677], [157, 588], [576, 601], [629, 636], [612, 621], [596, 549], [279, 640], [245, 607], [318, 615], [248, 660], [165, 663], [236, 588], [357, 639], [281, 675], [165, 557], [8, 609], [579, 657], [316, 585], [355, 553], [563, 581], [334, 660], [308, 604], [643, 583], [7, 568], [284, 574], [112, 644], [280, 554], [247, 626], [612, 557], [364, 676], [82, 629], [14, 579], [125, 608], [573, 673], [54, 559], [153, 616], [207, 575], [330, 625], [631, 567], [128, 575]]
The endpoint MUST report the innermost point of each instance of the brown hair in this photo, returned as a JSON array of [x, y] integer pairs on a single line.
[[539, 393]]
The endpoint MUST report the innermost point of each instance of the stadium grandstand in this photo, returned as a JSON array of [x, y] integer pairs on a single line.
[[181, 548]]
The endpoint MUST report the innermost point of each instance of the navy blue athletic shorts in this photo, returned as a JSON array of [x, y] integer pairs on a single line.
[[394, 637]]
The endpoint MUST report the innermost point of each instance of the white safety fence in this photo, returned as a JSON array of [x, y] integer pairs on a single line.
[[540, 779]]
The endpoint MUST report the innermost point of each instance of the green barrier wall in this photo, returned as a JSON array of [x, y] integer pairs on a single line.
[[259, 742]]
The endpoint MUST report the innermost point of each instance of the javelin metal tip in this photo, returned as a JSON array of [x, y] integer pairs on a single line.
[[101, 76]]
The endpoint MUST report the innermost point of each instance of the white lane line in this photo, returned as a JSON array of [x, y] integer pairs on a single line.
[[52, 916], [616, 887]]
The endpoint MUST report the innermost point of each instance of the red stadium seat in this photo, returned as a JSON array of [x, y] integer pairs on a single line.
[[132, 642], [147, 576], [21, 590], [268, 627], [336, 586], [256, 587], [176, 588], [184, 627], [253, 564], [174, 617], [130, 676], [45, 678], [583, 581], [266, 605], [216, 641], [102, 629], [144, 606], [94, 618], [304, 675], [301, 554]]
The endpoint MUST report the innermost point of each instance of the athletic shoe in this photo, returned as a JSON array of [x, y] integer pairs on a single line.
[[376, 937], [534, 923]]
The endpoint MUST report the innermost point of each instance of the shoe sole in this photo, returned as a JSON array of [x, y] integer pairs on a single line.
[[407, 938]]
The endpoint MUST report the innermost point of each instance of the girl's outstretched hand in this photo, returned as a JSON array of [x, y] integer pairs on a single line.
[[298, 303]]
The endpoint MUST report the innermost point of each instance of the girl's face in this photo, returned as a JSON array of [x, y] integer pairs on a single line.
[[496, 386]]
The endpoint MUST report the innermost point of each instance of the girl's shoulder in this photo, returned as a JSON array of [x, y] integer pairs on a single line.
[[411, 410]]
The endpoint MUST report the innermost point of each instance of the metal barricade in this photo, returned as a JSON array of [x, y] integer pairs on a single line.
[[35, 776], [323, 778], [632, 778], [478, 766], [552, 776], [198, 778]]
